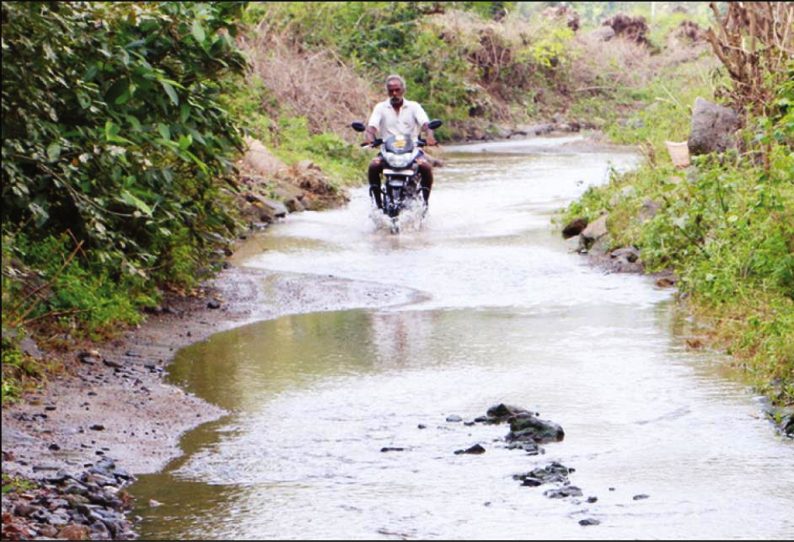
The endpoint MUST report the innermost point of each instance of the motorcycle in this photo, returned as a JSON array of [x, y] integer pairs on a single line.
[[400, 189]]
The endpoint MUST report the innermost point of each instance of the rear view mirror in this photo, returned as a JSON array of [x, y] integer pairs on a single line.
[[433, 124], [359, 126]]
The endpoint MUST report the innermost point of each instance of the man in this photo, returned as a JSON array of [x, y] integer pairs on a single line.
[[397, 116]]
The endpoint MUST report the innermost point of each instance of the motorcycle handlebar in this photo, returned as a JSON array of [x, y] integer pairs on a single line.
[[378, 142]]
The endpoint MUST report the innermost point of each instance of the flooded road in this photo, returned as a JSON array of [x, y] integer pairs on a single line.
[[503, 312]]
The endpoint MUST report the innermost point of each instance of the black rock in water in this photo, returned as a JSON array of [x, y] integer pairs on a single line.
[[574, 227], [476, 449], [528, 427], [562, 492]]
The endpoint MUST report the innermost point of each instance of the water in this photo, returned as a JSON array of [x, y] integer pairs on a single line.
[[504, 313]]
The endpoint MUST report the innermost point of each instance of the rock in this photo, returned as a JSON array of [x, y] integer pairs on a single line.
[[574, 228], [454, 418], [528, 446], [73, 532], [24, 510], [276, 208], [665, 282], [558, 118], [630, 254], [213, 304], [503, 412], [589, 521], [596, 230], [90, 357], [261, 160], [593, 233], [97, 427], [640, 497], [788, 425], [533, 129], [562, 492], [111, 363], [476, 449], [554, 473], [528, 427], [29, 346], [713, 128], [392, 449], [592, 500]]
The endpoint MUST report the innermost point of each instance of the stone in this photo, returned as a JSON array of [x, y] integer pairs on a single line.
[[563, 492], [476, 450], [554, 473], [574, 227], [629, 254], [73, 532], [595, 230], [589, 521], [502, 412], [213, 304], [259, 158], [529, 427], [640, 497], [713, 128], [454, 418], [533, 129]]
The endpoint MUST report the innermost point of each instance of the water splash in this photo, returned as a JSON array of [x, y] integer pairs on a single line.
[[411, 218]]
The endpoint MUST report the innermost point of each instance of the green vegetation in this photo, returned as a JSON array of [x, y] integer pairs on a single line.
[[725, 226], [114, 147]]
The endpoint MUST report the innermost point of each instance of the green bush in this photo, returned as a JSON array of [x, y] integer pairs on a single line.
[[112, 129]]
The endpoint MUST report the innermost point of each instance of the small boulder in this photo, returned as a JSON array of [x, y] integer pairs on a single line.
[[476, 450], [504, 412], [713, 128], [528, 427], [574, 227]]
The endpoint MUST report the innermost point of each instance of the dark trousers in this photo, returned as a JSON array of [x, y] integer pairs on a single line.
[[376, 168]]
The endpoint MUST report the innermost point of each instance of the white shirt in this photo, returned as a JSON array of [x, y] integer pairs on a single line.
[[410, 119]]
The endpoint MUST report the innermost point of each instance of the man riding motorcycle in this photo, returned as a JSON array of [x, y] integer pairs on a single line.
[[397, 116]]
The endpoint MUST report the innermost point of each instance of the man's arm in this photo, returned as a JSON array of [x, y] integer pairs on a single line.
[[431, 138], [370, 134]]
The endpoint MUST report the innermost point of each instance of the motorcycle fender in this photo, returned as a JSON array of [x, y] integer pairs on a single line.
[[405, 172]]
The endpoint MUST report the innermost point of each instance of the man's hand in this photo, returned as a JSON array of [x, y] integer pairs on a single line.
[[431, 140], [370, 135]]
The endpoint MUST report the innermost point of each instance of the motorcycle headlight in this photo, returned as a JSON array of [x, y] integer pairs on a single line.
[[398, 161]]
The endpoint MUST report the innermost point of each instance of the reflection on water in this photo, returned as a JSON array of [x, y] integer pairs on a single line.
[[511, 316]]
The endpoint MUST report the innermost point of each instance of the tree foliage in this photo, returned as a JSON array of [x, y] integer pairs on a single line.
[[112, 129]]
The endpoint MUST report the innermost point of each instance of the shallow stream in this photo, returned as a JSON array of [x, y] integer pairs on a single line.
[[504, 311]]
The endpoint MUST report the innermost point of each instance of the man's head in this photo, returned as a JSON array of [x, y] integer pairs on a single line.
[[395, 87]]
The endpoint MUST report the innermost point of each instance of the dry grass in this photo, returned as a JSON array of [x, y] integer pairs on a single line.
[[315, 85]]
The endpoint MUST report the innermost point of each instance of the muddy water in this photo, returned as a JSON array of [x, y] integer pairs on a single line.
[[503, 312]]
